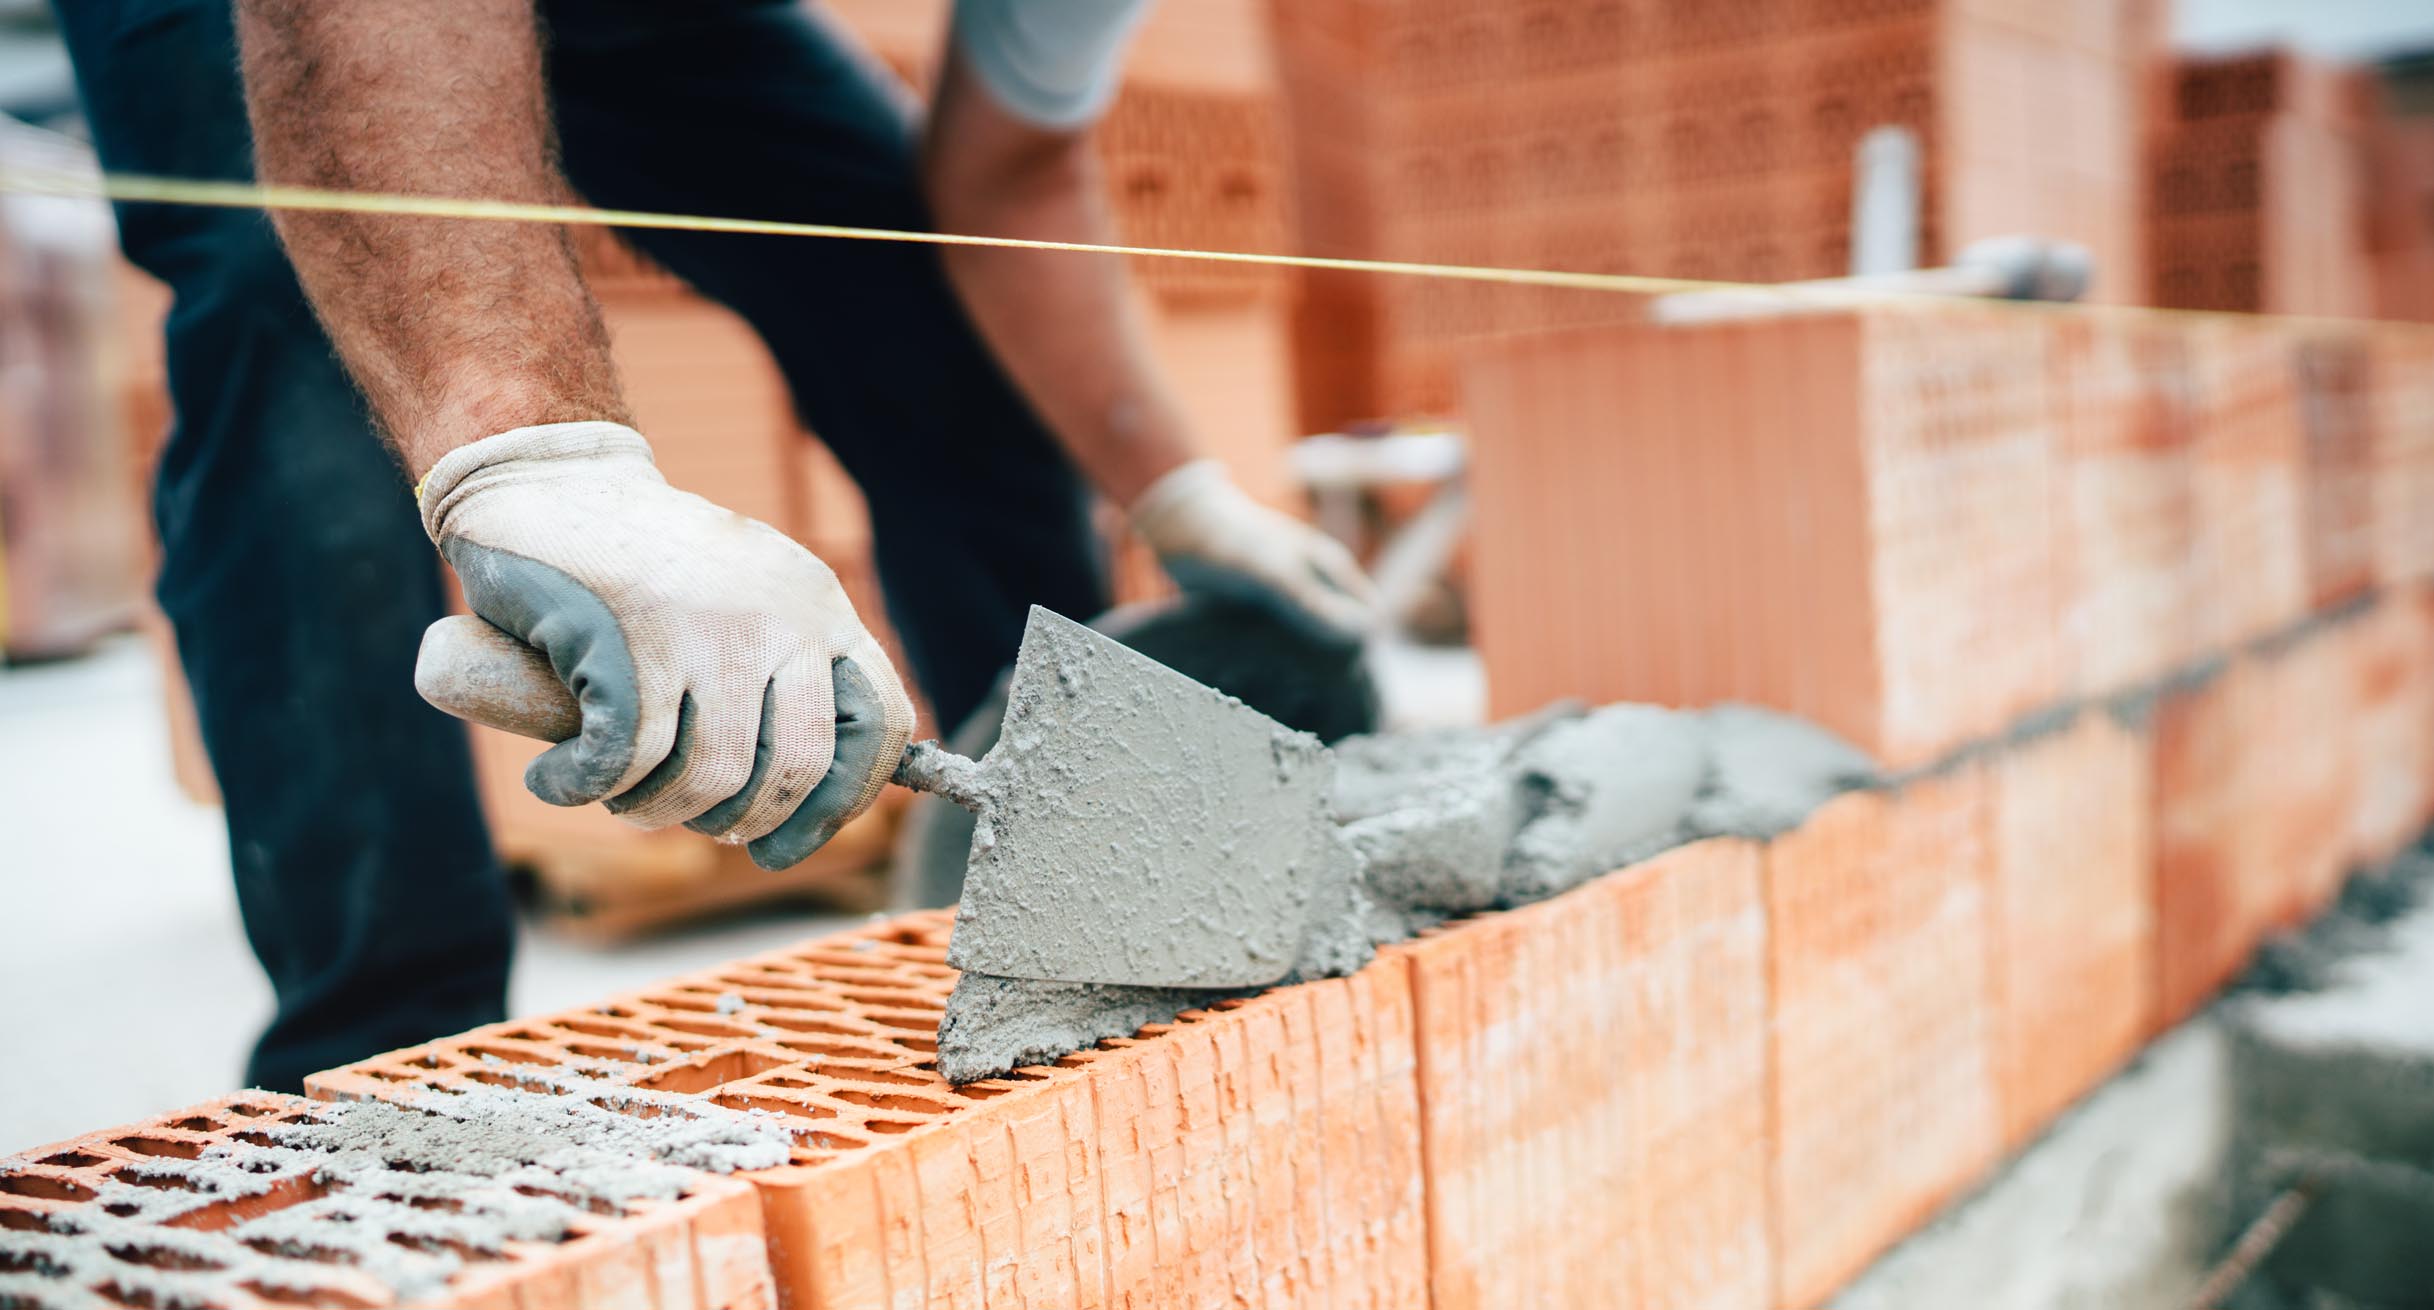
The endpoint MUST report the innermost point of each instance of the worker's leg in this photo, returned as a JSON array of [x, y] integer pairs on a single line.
[[299, 581], [755, 109]]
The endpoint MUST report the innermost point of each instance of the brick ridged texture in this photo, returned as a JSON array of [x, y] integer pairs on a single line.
[[1593, 1084], [2336, 390], [701, 1251], [2259, 188], [2401, 442], [2256, 793], [1265, 1152], [1885, 1099], [1690, 141], [2248, 564], [1916, 525], [2207, 915], [2070, 916], [1846, 516], [2391, 704], [2125, 519]]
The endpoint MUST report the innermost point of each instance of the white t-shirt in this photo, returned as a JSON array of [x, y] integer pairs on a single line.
[[1054, 63]]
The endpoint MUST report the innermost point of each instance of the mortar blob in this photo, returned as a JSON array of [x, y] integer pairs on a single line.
[[1450, 821]]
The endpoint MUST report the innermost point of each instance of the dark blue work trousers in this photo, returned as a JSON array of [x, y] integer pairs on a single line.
[[297, 574]]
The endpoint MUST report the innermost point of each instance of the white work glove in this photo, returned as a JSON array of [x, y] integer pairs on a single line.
[[724, 679], [1214, 539]]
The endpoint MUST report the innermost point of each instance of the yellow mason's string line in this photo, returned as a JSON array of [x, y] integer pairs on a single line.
[[142, 188], [246, 195]]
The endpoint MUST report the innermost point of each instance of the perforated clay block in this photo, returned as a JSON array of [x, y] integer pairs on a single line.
[[1593, 1092], [1884, 1098], [1263, 1151], [2070, 914], [260, 1200]]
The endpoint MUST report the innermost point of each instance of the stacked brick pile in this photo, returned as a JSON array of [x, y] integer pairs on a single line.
[[2258, 187], [71, 535], [1193, 152], [2400, 218], [1710, 141]]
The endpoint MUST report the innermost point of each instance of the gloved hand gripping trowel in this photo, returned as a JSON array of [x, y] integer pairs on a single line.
[[1136, 831]]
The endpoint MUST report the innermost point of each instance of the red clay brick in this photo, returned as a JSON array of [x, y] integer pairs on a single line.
[[2391, 653], [2402, 419], [701, 1251], [2306, 770], [2336, 424], [1884, 1092], [2124, 520], [2249, 563], [2070, 922], [1872, 548], [1593, 1092], [2214, 895], [1265, 1151], [2261, 190]]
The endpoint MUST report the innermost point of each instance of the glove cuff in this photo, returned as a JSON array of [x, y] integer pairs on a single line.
[[520, 452], [1189, 481]]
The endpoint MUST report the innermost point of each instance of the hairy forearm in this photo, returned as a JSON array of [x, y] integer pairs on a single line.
[[1068, 327], [454, 328]]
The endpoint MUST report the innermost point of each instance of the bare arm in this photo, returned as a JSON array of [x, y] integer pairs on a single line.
[[1066, 326], [455, 329]]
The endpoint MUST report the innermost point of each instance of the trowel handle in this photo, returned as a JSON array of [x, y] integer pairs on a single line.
[[482, 675]]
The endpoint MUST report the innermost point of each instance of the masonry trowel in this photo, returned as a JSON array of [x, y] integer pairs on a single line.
[[1134, 827]]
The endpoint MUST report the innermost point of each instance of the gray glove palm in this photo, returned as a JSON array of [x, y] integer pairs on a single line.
[[724, 679]]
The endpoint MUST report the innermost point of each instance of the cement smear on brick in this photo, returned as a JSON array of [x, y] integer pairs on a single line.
[[1452, 821], [403, 1196]]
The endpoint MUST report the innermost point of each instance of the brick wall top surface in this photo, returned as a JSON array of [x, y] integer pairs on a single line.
[[212, 1208], [839, 1033], [1264, 1145]]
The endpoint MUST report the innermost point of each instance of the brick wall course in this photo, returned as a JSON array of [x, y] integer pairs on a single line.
[[1885, 1092], [2070, 915], [1593, 1092]]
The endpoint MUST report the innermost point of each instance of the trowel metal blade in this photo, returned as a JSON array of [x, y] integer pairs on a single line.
[[1141, 829]]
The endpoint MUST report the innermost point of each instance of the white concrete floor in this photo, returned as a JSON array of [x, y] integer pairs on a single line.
[[126, 988]]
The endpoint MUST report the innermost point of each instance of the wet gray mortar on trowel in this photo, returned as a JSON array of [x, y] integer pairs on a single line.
[[1447, 822]]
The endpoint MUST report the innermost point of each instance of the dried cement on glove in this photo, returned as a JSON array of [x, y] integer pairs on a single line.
[[408, 1194], [1451, 821]]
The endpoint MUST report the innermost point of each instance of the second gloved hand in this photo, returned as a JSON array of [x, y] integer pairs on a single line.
[[724, 678], [1215, 539]]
